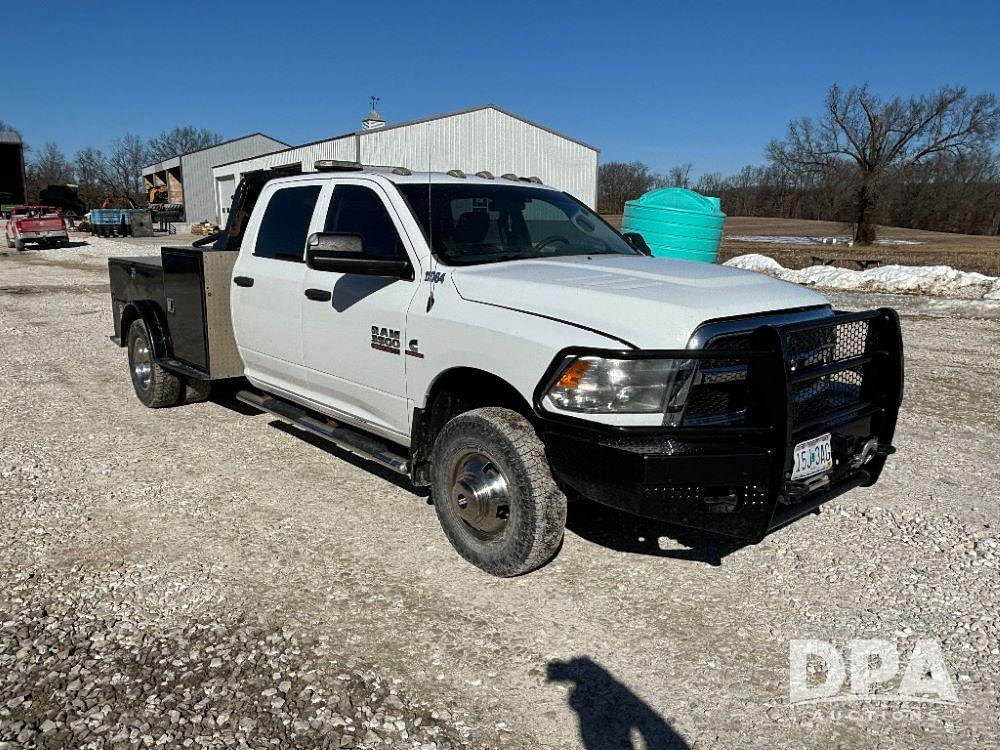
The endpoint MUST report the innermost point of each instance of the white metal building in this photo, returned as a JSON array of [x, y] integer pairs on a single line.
[[484, 138], [188, 178]]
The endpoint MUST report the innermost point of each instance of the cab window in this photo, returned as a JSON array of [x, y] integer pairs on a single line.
[[355, 209], [285, 225]]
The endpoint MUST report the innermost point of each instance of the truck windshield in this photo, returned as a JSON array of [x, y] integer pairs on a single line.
[[477, 223]]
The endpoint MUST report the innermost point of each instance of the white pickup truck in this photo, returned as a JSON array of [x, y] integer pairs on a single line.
[[497, 341]]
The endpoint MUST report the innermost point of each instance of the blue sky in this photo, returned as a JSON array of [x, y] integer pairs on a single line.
[[707, 83]]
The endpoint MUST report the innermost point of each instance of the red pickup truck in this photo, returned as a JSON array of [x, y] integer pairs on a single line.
[[41, 224]]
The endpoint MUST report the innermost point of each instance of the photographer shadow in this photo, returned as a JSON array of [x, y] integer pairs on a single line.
[[611, 716]]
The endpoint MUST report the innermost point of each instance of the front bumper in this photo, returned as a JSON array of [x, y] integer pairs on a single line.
[[736, 480]]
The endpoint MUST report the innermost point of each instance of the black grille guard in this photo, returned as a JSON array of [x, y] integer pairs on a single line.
[[840, 372], [876, 369]]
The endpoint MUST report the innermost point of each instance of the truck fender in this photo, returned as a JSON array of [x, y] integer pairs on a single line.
[[155, 321]]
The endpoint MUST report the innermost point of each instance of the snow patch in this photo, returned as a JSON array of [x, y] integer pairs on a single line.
[[783, 239], [938, 281]]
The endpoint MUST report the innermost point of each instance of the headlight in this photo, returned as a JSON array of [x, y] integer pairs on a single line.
[[598, 385]]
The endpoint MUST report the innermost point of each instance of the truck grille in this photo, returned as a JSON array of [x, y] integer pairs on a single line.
[[719, 394], [820, 363], [827, 365]]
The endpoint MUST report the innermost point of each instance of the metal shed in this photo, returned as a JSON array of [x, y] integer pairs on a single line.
[[188, 178], [482, 138], [12, 179]]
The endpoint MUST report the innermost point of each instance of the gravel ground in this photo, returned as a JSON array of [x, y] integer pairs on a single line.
[[200, 577]]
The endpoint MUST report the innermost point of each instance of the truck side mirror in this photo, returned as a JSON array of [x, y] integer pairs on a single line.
[[344, 253], [637, 241], [332, 242]]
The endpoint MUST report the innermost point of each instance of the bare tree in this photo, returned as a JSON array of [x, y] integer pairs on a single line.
[[48, 167], [93, 176], [123, 167], [618, 182], [877, 136], [679, 176], [180, 140]]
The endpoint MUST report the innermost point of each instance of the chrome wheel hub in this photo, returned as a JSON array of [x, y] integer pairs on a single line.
[[479, 494], [142, 364]]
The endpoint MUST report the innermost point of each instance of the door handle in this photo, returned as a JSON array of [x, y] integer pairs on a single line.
[[319, 295], [243, 280]]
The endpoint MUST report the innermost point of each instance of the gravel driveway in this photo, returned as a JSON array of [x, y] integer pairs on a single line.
[[201, 577]]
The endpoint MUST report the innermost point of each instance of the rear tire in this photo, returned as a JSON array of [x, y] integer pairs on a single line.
[[155, 386], [19, 245], [494, 493]]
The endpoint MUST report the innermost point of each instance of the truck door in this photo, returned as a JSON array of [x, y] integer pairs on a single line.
[[267, 285], [354, 339]]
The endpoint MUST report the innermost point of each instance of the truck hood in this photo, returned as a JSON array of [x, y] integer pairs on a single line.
[[651, 303]]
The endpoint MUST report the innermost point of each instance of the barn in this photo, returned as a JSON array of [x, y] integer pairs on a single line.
[[11, 168], [188, 178], [482, 138]]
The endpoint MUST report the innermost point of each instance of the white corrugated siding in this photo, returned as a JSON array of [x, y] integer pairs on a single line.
[[491, 140], [200, 194], [342, 149], [471, 141]]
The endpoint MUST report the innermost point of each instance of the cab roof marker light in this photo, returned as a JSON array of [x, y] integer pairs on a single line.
[[456, 173], [403, 171], [337, 165], [536, 180], [484, 174], [509, 176]]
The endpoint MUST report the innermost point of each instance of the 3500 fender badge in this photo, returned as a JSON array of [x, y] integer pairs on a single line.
[[385, 340]]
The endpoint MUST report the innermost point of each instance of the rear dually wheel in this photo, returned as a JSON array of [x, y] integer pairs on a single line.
[[155, 386]]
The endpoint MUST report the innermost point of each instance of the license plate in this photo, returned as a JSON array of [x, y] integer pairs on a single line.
[[812, 457]]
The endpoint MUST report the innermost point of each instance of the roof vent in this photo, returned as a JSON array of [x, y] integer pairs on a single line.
[[509, 176], [336, 165], [456, 173], [485, 175], [402, 171]]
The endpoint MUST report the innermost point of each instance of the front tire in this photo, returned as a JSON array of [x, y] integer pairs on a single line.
[[155, 386], [494, 493], [19, 245]]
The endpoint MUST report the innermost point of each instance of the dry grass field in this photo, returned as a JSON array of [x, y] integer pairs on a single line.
[[962, 251]]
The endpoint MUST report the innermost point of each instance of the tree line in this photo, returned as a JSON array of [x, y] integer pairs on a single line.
[[114, 173], [926, 162]]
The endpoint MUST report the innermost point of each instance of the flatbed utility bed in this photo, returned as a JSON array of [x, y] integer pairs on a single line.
[[183, 296]]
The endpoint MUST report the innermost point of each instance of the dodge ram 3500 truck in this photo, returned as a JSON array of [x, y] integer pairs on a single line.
[[497, 341]]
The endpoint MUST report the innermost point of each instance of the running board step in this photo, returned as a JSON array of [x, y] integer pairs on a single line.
[[350, 440]]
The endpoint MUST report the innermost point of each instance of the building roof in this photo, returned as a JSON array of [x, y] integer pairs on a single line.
[[9, 136], [419, 121], [214, 145]]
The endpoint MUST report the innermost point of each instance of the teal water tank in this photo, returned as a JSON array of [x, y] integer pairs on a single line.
[[677, 223]]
